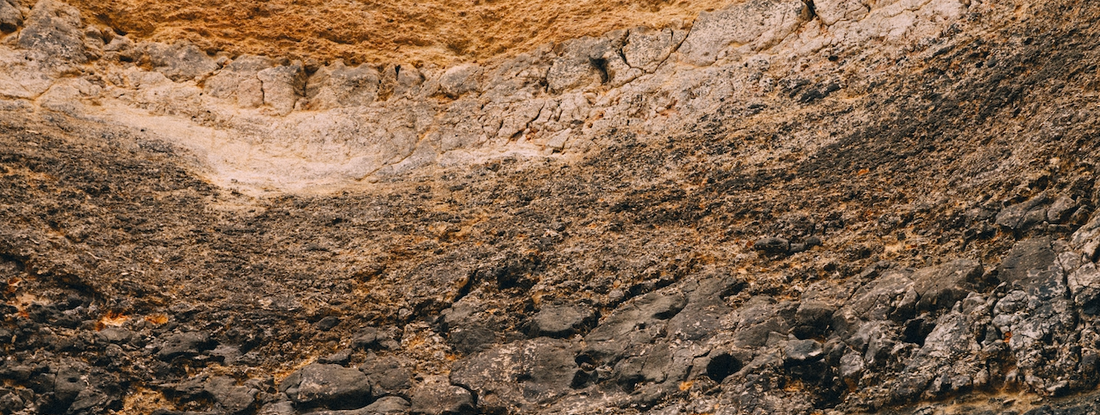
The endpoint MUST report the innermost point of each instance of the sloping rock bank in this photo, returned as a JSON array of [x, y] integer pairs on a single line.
[[287, 125], [902, 226]]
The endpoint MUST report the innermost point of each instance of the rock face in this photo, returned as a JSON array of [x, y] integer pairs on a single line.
[[784, 207], [332, 386], [334, 123]]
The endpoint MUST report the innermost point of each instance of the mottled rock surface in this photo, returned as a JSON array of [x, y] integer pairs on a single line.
[[782, 207]]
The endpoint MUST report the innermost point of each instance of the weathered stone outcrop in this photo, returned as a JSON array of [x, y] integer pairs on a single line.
[[337, 125], [781, 207]]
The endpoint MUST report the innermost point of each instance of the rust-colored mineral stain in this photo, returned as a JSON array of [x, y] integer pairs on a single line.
[[157, 319], [111, 319], [443, 32]]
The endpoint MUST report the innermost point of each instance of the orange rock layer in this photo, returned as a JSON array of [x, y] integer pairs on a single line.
[[442, 32]]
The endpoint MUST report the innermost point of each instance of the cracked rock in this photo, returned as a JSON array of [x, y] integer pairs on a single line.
[[436, 396], [520, 375], [556, 320], [185, 344], [54, 28], [332, 386]]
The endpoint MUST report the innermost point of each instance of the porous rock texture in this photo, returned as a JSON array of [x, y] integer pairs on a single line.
[[774, 206]]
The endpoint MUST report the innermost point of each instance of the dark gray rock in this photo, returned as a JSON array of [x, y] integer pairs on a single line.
[[339, 358], [663, 372], [471, 339], [1027, 256], [385, 405], [813, 318], [388, 405], [1037, 317], [192, 388], [388, 375], [947, 362], [561, 320], [757, 321], [850, 367], [182, 61], [772, 245], [371, 338], [116, 335], [719, 364], [1061, 210], [649, 366], [1022, 216], [520, 375], [90, 401], [69, 381], [327, 323], [436, 396], [636, 322], [54, 28], [277, 408], [185, 344], [706, 305], [11, 403], [890, 296], [1087, 239], [940, 287], [800, 351], [1084, 286], [232, 397], [332, 386], [874, 340]]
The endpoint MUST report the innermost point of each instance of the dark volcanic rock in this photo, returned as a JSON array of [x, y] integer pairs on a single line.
[[388, 375], [519, 376], [803, 350], [636, 322], [388, 405], [333, 386], [185, 344], [772, 245], [561, 320], [940, 287], [1024, 215], [813, 318], [436, 396], [233, 398], [705, 306], [115, 335], [375, 339]]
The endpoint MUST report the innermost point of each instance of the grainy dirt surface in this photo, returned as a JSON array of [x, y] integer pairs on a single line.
[[368, 31]]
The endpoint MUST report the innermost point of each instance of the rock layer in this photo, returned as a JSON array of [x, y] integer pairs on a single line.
[[785, 207]]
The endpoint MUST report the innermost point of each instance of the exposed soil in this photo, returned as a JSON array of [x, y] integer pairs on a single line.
[[377, 32]]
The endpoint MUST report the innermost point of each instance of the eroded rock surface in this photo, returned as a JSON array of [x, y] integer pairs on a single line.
[[781, 207]]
